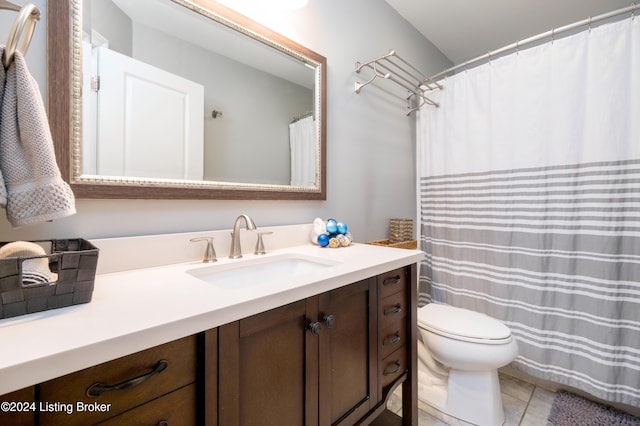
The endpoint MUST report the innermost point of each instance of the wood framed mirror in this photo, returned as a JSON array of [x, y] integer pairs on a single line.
[[232, 155]]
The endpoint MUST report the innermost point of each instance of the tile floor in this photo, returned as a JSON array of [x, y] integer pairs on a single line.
[[524, 405]]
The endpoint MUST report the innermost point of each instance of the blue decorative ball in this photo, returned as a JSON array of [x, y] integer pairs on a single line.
[[323, 240], [342, 228], [332, 226]]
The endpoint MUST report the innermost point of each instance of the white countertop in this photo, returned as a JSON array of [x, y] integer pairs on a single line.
[[137, 309]]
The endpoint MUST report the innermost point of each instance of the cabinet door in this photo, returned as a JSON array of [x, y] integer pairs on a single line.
[[348, 355], [268, 368]]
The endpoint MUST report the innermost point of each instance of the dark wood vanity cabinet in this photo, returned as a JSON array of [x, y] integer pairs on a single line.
[[307, 363], [328, 360], [331, 359]]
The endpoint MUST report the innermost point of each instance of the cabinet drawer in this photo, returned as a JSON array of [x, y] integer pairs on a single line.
[[178, 359], [392, 282], [392, 337], [393, 307], [21, 408], [392, 367], [176, 408]]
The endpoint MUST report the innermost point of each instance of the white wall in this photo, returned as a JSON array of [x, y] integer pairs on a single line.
[[371, 143]]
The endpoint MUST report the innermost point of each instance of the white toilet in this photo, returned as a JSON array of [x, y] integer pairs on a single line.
[[458, 359]]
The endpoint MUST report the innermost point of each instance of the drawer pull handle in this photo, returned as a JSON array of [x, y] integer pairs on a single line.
[[391, 280], [163, 423], [391, 339], [395, 369], [394, 310], [98, 389]]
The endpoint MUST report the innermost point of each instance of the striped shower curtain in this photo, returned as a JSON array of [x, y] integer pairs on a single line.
[[529, 190]]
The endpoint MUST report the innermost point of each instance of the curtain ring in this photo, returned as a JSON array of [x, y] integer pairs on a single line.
[[553, 35], [517, 47]]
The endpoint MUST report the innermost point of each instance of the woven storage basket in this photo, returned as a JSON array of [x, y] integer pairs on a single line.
[[73, 260], [411, 244], [400, 230]]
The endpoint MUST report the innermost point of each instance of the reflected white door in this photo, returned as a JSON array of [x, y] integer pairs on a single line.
[[150, 122]]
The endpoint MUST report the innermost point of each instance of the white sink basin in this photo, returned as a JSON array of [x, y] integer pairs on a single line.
[[253, 272]]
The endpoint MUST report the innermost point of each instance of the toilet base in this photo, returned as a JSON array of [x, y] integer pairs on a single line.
[[474, 396]]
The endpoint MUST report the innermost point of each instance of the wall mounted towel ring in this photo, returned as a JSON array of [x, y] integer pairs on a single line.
[[21, 31]]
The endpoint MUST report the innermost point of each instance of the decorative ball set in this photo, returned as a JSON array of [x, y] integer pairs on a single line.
[[331, 233]]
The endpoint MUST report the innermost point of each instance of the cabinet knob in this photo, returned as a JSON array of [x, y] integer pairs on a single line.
[[329, 320], [315, 328]]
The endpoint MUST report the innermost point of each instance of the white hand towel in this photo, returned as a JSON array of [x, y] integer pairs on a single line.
[[35, 190], [35, 266]]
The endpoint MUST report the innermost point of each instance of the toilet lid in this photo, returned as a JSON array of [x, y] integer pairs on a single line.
[[462, 324]]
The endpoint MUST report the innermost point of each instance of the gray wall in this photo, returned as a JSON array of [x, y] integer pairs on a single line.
[[103, 16], [371, 143]]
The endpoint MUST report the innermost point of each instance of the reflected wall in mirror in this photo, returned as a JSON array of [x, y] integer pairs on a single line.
[[183, 99]]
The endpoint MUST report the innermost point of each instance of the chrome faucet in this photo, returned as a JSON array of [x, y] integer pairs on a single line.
[[236, 250]]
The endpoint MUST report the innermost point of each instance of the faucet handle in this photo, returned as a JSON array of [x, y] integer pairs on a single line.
[[210, 251], [260, 244]]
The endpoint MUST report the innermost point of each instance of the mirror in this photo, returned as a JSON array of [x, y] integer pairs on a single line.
[[179, 99]]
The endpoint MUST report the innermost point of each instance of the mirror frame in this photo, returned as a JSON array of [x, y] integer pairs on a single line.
[[64, 94]]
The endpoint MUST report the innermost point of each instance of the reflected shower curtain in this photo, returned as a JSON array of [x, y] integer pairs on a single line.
[[303, 152], [529, 189]]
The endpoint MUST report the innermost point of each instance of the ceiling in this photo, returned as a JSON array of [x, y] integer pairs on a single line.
[[464, 29]]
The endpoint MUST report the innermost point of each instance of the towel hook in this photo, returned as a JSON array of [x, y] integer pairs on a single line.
[[26, 19]]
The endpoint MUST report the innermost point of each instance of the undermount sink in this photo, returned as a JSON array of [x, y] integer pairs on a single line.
[[260, 271]]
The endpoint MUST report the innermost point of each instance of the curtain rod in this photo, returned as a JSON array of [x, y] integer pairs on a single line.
[[552, 33]]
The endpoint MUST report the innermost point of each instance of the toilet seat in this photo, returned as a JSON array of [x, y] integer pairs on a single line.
[[463, 324]]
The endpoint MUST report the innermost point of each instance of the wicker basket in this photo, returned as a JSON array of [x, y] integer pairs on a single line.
[[411, 244], [400, 230], [73, 260]]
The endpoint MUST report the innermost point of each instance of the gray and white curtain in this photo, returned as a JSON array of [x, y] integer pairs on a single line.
[[529, 190]]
